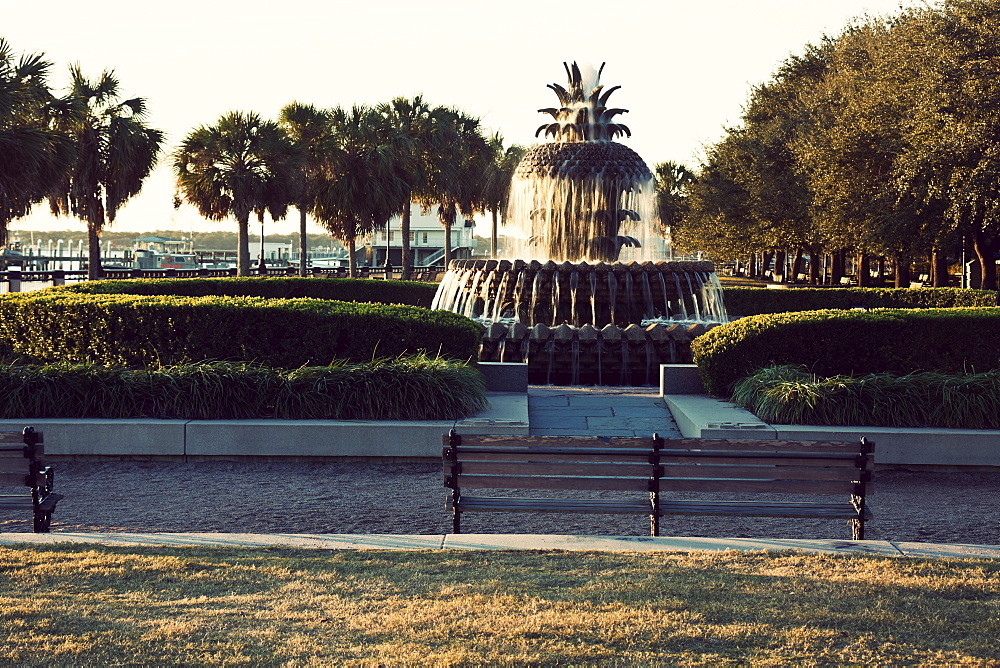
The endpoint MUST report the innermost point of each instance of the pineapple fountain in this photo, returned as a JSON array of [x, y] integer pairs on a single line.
[[581, 294]]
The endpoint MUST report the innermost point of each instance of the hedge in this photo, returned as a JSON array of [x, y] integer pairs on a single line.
[[412, 388], [410, 293], [791, 395], [746, 301], [138, 330], [832, 342]]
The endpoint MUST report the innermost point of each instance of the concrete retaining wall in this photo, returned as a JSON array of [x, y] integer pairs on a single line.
[[699, 416]]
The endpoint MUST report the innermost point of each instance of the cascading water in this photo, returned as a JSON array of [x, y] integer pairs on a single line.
[[582, 241]]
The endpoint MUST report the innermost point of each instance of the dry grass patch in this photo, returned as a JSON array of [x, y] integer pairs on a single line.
[[108, 606]]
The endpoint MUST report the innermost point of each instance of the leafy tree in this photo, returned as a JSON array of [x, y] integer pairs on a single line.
[[308, 128], [35, 153], [953, 129], [114, 153], [241, 165]]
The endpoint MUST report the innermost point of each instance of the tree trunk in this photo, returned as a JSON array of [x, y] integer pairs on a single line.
[[352, 261], [94, 269], [836, 267], [243, 245], [939, 269], [797, 264], [766, 263], [902, 263], [303, 243], [493, 235], [780, 258], [814, 262], [404, 230], [447, 244], [864, 270], [984, 251]]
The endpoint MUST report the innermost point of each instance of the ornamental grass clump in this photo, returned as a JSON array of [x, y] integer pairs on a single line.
[[405, 388], [789, 394]]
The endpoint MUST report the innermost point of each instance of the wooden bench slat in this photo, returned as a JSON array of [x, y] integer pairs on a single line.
[[594, 506], [551, 482], [776, 459], [758, 509], [8, 502], [14, 479], [507, 455], [725, 485], [773, 473], [634, 470]]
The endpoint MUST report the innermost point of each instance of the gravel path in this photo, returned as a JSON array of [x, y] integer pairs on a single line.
[[371, 498]]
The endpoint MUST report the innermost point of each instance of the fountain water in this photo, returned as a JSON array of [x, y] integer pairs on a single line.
[[582, 299]]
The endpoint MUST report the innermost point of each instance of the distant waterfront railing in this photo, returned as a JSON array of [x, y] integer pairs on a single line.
[[25, 281]]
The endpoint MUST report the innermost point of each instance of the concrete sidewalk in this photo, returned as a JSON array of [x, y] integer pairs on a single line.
[[505, 542]]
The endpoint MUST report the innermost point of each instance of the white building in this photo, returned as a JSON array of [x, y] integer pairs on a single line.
[[426, 241]]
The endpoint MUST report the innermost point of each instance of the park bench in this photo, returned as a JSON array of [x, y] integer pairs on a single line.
[[26, 481], [656, 471]]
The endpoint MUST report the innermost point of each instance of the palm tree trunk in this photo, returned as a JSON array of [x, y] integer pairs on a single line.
[[447, 244], [243, 245], [404, 231], [303, 243], [94, 269], [352, 262], [493, 235]]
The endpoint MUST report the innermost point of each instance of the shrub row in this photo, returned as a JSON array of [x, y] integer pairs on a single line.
[[413, 388], [792, 395], [137, 330], [746, 301], [410, 293], [831, 343]]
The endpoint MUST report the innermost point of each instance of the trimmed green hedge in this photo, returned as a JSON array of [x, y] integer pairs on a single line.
[[741, 302], [410, 293], [137, 330], [832, 342], [411, 388]]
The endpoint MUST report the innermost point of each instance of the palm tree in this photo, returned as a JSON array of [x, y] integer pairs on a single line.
[[35, 154], [501, 169], [115, 152], [673, 180], [459, 181], [241, 165], [308, 128], [361, 189], [420, 142]]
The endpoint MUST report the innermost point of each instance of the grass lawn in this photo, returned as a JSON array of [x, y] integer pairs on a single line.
[[108, 606]]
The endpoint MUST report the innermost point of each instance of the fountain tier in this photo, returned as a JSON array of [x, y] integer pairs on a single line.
[[533, 293]]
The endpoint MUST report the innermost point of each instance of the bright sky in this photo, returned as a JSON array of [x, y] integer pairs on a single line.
[[685, 68]]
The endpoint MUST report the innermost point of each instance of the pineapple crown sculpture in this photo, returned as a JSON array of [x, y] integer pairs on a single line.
[[584, 114], [583, 195]]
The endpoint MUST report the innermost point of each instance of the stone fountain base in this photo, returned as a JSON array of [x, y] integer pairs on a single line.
[[569, 355]]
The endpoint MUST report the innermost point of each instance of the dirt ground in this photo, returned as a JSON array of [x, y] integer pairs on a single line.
[[409, 498]]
